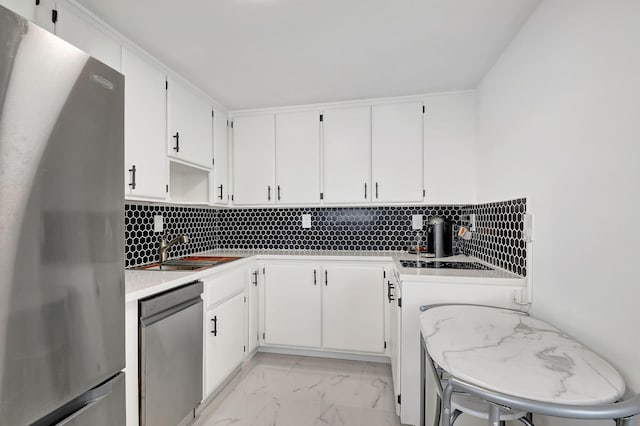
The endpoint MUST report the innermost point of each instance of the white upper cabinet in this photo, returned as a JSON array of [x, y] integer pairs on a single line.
[[298, 158], [397, 152], [449, 135], [144, 128], [254, 159], [221, 157], [21, 7], [347, 155], [42, 14], [189, 125], [78, 29]]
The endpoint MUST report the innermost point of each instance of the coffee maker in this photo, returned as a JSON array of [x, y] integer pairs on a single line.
[[439, 237]]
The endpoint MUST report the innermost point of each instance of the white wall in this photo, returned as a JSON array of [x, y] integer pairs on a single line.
[[559, 121]]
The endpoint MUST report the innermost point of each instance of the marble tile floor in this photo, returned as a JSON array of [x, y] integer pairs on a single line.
[[287, 390]]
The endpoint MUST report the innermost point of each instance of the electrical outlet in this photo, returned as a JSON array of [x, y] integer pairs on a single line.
[[527, 231], [306, 221], [416, 222], [472, 222], [158, 223], [516, 296]]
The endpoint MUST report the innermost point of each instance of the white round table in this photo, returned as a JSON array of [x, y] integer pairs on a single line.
[[510, 352]]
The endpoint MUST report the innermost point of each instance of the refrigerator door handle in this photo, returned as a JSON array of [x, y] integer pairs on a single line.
[[85, 402]]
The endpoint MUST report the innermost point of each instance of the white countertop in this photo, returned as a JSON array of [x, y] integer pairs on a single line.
[[510, 352], [140, 284], [495, 276]]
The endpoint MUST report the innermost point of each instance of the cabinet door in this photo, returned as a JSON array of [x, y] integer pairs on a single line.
[[42, 13], [449, 134], [21, 7], [144, 128], [221, 157], [298, 157], [253, 159], [292, 305], [346, 147], [189, 124], [395, 338], [224, 347], [80, 30], [397, 152], [253, 332], [353, 308]]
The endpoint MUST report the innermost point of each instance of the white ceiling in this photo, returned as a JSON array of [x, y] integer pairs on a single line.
[[262, 53]]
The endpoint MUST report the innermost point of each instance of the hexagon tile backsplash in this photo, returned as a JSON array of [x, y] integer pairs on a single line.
[[142, 244], [333, 228], [498, 239]]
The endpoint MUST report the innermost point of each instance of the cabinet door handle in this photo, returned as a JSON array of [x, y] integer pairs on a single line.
[[326, 278], [132, 170], [376, 190], [365, 190], [215, 325], [389, 295], [220, 195], [269, 193], [278, 192], [177, 138], [315, 278], [255, 278]]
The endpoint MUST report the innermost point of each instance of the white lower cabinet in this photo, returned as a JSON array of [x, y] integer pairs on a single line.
[[353, 309], [292, 310], [330, 306], [394, 296], [224, 345], [225, 325], [253, 333]]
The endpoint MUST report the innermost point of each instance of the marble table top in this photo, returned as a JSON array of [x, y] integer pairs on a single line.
[[513, 353]]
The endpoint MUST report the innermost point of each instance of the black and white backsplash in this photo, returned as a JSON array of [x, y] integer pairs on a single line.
[[332, 228], [141, 243], [497, 240]]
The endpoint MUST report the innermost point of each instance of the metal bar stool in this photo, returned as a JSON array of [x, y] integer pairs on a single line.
[[623, 413]]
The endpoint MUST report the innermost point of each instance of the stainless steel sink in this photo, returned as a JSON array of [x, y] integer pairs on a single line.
[[165, 267], [189, 263]]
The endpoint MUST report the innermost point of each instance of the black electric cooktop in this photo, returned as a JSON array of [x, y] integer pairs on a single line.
[[445, 265]]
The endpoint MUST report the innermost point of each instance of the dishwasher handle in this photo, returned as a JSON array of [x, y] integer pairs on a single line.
[[158, 303], [147, 321]]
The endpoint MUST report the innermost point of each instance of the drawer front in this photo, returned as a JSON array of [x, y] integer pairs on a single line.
[[222, 286]]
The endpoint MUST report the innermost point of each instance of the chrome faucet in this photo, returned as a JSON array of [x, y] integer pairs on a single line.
[[164, 245]]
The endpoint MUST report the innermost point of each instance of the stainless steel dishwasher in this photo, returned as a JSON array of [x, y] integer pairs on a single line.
[[170, 355]]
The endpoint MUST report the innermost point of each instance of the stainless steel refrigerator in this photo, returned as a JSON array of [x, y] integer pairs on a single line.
[[61, 232]]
